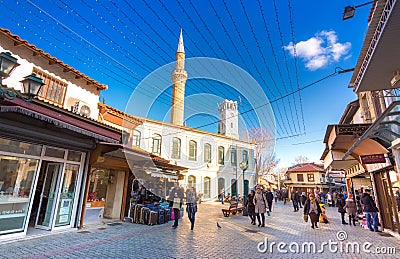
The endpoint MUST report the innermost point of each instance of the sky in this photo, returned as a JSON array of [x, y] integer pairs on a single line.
[[268, 55]]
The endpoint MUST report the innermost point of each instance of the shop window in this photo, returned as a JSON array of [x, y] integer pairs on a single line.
[[233, 157], [136, 138], [176, 148], [207, 153], [192, 181], [98, 188], [54, 89], [192, 150], [207, 187], [54, 152], [221, 155], [156, 144], [20, 147], [74, 156], [310, 177], [300, 178], [16, 182]]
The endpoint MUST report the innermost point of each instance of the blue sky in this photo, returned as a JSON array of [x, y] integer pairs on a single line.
[[119, 43]]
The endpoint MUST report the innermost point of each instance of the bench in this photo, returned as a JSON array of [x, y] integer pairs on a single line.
[[233, 208]]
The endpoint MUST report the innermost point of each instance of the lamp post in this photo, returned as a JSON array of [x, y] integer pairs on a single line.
[[7, 64], [32, 84], [243, 165], [349, 10]]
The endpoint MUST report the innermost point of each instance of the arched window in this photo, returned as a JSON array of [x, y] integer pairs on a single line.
[[221, 155], [233, 156], [176, 148], [136, 138], [245, 156], [207, 187], [233, 187], [207, 153], [156, 144], [192, 181], [192, 150], [221, 185]]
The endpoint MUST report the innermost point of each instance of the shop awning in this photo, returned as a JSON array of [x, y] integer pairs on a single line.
[[134, 158], [341, 138], [386, 128]]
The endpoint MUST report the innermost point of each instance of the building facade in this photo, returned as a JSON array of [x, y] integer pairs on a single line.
[[306, 178]]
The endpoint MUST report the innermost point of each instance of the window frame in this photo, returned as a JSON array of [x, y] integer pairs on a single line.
[[233, 154], [56, 86], [177, 154], [192, 154], [156, 137], [298, 178], [136, 138], [207, 152], [221, 155], [310, 176]]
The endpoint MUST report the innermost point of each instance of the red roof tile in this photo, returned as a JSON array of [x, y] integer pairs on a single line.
[[307, 168]]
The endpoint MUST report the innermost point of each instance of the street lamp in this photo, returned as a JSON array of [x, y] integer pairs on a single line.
[[349, 10], [243, 165], [32, 84], [7, 64]]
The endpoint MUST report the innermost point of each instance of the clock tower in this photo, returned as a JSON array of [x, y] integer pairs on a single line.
[[229, 119]]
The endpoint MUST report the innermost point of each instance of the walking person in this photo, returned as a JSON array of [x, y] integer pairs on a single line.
[[334, 199], [269, 196], [191, 208], [398, 200], [351, 209], [275, 193], [260, 206], [295, 200], [340, 204], [251, 207], [222, 195], [312, 209], [175, 198], [297, 197], [303, 198], [371, 211]]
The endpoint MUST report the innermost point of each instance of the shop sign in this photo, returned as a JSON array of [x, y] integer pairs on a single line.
[[357, 130], [373, 159]]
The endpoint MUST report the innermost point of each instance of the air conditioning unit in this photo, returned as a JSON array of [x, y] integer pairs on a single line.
[[81, 108]]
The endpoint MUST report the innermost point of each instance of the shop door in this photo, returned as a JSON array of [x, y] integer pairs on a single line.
[[48, 197]]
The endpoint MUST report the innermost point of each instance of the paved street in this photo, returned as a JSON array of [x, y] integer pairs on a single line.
[[236, 239]]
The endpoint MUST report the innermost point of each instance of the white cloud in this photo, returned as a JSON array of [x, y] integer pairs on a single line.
[[320, 50]]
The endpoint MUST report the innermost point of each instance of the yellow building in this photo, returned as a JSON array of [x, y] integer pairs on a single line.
[[305, 178]]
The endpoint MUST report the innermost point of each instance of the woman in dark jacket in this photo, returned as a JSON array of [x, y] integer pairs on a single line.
[[251, 208], [312, 209], [340, 204]]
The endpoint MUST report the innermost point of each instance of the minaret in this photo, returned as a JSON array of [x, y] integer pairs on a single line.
[[179, 77]]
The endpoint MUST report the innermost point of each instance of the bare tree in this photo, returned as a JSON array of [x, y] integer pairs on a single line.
[[264, 155], [301, 160]]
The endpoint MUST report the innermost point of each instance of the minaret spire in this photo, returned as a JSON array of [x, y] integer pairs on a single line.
[[179, 76], [181, 47]]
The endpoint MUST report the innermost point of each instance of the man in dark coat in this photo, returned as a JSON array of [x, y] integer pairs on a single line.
[[370, 209], [176, 196], [270, 197]]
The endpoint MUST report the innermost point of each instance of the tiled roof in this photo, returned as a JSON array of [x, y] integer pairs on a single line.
[[53, 60], [307, 168]]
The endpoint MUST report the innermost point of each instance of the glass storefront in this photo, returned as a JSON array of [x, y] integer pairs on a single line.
[[16, 182], [39, 181]]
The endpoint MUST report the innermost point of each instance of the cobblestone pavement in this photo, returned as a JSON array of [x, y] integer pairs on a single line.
[[236, 239]]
